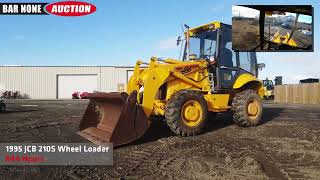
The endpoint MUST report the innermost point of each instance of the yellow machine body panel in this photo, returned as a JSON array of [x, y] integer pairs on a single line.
[[246, 78], [262, 92], [268, 92], [217, 102]]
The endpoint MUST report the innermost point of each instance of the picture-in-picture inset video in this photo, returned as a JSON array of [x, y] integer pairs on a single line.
[[272, 28]]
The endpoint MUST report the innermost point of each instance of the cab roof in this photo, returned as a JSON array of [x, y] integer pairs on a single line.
[[210, 26], [300, 9]]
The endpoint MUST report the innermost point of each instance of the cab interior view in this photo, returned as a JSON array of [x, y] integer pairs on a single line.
[[272, 28]]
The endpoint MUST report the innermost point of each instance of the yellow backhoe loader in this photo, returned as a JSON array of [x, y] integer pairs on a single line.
[[268, 89], [209, 78]]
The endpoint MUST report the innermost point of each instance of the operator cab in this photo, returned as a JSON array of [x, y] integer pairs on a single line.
[[213, 42], [268, 84]]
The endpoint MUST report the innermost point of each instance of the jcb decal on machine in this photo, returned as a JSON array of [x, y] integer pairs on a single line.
[[63, 8], [185, 70]]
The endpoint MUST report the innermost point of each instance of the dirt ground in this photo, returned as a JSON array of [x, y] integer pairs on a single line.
[[286, 145]]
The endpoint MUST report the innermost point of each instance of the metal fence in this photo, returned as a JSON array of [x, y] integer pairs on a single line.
[[298, 93]]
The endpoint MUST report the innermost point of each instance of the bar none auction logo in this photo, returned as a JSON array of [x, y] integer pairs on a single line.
[[63, 8]]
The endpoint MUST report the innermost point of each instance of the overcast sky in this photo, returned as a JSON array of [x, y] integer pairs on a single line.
[[122, 31]]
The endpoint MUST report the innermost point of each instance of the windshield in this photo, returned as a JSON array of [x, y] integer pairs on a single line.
[[194, 46], [278, 25], [288, 28], [302, 34], [202, 45]]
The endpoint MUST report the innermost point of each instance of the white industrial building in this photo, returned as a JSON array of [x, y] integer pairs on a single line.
[[59, 82]]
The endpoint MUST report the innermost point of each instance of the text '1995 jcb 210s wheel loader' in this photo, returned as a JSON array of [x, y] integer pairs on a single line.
[[211, 77]]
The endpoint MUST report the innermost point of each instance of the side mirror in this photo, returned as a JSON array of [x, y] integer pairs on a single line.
[[178, 40], [261, 66]]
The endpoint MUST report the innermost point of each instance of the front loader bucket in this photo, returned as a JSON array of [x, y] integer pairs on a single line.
[[113, 117]]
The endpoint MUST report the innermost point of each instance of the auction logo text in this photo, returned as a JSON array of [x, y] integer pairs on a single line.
[[62, 8]]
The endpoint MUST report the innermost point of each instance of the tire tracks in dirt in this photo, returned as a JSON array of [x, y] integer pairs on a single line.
[[262, 156], [37, 126], [152, 160]]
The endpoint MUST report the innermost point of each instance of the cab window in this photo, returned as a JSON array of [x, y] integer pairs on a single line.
[[244, 61], [227, 55]]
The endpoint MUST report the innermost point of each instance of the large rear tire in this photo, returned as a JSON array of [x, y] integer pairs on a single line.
[[247, 108], [186, 113]]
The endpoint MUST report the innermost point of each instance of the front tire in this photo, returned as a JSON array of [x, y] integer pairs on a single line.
[[186, 113], [247, 108]]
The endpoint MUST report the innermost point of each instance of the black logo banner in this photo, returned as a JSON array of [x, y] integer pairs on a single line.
[[23, 9]]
